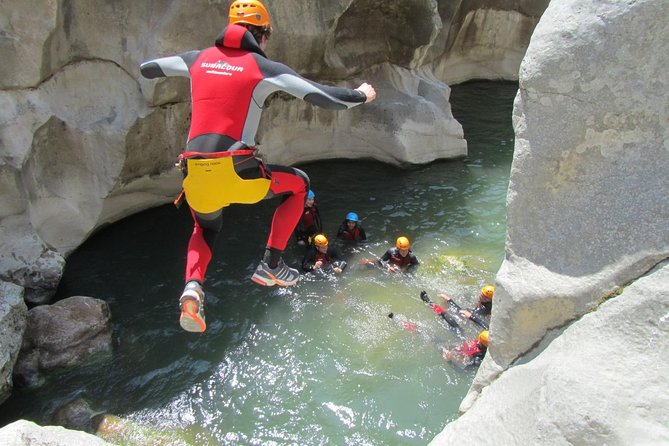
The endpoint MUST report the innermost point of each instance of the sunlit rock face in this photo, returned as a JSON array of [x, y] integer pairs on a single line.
[[587, 217], [85, 140], [486, 39]]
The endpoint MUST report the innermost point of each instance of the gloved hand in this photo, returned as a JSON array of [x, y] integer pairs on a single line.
[[424, 297]]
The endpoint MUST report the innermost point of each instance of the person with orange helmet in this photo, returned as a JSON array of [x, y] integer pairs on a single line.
[[229, 83], [399, 258], [483, 307], [470, 353], [323, 257]]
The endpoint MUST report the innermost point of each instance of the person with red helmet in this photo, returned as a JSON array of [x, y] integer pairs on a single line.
[[399, 258], [229, 84]]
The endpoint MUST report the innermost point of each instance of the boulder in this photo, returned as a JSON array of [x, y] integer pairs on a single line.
[[27, 433], [77, 415], [62, 335], [413, 124], [587, 211], [587, 201], [27, 261]]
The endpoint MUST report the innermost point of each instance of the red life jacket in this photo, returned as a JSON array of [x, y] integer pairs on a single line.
[[397, 259], [470, 348], [323, 257], [308, 219], [353, 234]]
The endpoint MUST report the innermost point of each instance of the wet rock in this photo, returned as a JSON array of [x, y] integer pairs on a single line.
[[76, 415], [62, 335]]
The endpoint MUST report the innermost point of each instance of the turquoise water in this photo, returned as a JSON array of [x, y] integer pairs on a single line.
[[318, 363]]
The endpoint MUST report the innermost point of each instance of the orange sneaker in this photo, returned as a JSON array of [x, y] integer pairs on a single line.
[[192, 308]]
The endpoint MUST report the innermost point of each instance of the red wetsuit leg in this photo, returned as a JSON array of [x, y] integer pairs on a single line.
[[201, 247], [294, 184]]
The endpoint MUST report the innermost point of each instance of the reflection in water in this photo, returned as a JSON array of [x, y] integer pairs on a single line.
[[317, 363]]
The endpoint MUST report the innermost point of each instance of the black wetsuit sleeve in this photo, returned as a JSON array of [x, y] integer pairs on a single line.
[[317, 220], [279, 77], [308, 262], [385, 257], [335, 253], [363, 235], [480, 322], [341, 230], [454, 304], [482, 309]]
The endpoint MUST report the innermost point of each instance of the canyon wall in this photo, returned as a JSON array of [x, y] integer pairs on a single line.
[[578, 347]]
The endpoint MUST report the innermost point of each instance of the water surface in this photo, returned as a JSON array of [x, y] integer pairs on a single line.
[[319, 363]]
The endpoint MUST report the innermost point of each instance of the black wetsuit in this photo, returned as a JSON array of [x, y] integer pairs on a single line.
[[484, 308], [393, 257], [309, 224], [332, 258]]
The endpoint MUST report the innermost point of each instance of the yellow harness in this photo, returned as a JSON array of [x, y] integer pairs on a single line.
[[212, 183]]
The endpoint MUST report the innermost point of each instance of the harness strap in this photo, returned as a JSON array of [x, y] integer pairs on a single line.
[[242, 152]]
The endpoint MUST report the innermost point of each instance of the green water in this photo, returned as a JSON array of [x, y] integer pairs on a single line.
[[318, 363]]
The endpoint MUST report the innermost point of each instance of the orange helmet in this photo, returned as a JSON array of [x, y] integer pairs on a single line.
[[250, 12], [483, 338], [402, 243], [320, 240], [488, 291]]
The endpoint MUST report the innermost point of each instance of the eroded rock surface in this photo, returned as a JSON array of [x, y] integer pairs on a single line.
[[587, 212]]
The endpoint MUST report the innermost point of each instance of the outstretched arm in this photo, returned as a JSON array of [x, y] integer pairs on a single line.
[[280, 77], [169, 66], [468, 314], [368, 91]]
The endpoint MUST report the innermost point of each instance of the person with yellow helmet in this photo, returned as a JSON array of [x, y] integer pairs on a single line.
[[470, 353], [483, 307], [399, 258], [229, 83], [323, 257]]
